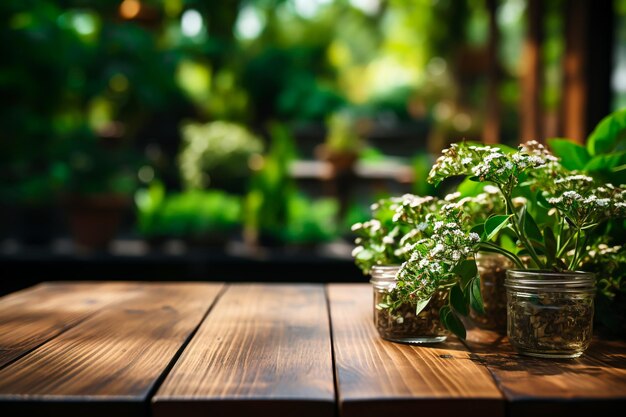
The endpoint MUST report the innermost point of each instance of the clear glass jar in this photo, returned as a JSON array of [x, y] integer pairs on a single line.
[[402, 324], [492, 269], [550, 314]]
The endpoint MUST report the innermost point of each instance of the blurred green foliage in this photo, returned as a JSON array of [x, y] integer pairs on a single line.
[[209, 216], [86, 88], [216, 154], [271, 186]]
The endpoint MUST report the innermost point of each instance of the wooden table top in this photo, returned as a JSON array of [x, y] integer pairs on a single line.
[[191, 349]]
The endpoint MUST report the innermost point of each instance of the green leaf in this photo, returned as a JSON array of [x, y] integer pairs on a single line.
[[550, 244], [494, 224], [476, 298], [573, 156], [507, 243], [542, 201], [529, 226], [469, 188], [606, 162], [608, 134], [466, 270], [451, 321], [421, 305], [457, 300]]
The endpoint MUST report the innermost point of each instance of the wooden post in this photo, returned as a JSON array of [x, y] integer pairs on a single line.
[[491, 129], [531, 107], [574, 70], [600, 50]]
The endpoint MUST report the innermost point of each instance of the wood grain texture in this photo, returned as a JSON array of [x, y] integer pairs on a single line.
[[31, 317], [109, 363], [263, 350], [592, 384], [376, 377]]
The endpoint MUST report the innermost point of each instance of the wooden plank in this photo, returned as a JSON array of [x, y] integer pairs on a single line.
[[31, 317], [593, 384], [376, 377], [263, 350], [108, 364]]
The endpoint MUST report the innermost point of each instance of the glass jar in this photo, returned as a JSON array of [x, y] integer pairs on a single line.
[[550, 314], [402, 324], [492, 269]]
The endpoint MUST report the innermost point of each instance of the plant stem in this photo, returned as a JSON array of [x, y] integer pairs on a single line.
[[493, 248], [572, 262], [529, 247]]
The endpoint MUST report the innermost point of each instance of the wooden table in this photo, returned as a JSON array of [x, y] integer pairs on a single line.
[[192, 349]]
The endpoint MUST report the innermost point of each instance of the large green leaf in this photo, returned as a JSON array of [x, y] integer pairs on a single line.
[[609, 135], [529, 226], [494, 224], [457, 299], [476, 298], [550, 245], [466, 270], [605, 162], [573, 156], [451, 321]]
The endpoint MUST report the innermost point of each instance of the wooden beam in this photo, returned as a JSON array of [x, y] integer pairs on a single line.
[[109, 364], [593, 384], [491, 129], [264, 350], [376, 377], [574, 70], [531, 104]]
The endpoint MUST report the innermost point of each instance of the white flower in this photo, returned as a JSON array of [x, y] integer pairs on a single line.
[[356, 226], [437, 249], [473, 236], [491, 189], [452, 196], [357, 250], [602, 202]]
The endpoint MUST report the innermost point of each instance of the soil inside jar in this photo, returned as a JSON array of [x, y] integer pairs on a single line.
[[403, 323], [492, 270], [550, 322]]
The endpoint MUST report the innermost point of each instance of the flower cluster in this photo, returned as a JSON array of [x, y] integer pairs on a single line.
[[575, 205], [487, 163], [434, 258], [381, 239]]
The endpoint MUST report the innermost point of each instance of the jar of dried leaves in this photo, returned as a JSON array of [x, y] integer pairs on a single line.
[[492, 269], [550, 314], [414, 323]]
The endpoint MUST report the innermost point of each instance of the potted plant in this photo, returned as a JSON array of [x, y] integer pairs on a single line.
[[217, 155], [99, 180], [550, 302], [422, 266], [479, 202]]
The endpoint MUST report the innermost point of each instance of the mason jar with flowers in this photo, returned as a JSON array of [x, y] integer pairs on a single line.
[[422, 265], [550, 302]]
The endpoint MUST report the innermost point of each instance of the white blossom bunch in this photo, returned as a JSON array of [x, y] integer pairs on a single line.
[[488, 163], [434, 258], [574, 205], [378, 239]]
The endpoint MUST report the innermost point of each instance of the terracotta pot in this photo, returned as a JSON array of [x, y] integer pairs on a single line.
[[95, 219]]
